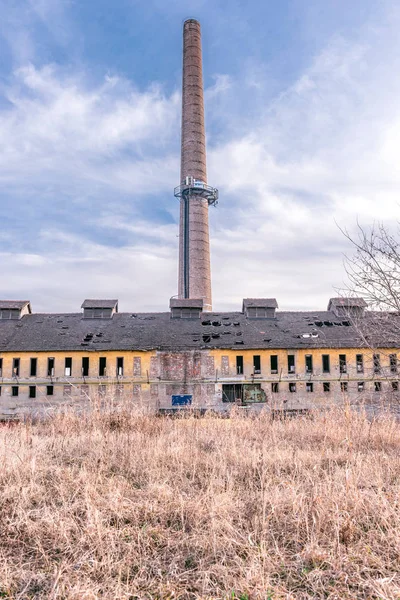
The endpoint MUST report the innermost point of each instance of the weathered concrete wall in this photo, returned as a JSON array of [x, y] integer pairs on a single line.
[[150, 379]]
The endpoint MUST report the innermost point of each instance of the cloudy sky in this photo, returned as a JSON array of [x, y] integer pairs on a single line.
[[303, 129]]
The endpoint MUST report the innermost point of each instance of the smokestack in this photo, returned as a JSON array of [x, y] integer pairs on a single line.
[[194, 193]]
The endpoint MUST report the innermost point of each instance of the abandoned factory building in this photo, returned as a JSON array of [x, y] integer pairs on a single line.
[[190, 354]]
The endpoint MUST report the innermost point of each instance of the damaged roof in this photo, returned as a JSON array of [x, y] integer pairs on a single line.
[[158, 331]]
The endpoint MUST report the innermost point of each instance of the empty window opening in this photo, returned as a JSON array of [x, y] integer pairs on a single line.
[[344, 386], [342, 363], [309, 386], [377, 363], [378, 386], [326, 366], [292, 387], [232, 393], [14, 391], [326, 386], [68, 367], [0, 390], [274, 363], [257, 364], [359, 363], [291, 363], [50, 367], [360, 386], [393, 363], [275, 388], [49, 390], [32, 391], [85, 366], [395, 386], [1, 367], [33, 369], [16, 363], [120, 366], [102, 366], [309, 363], [239, 365]]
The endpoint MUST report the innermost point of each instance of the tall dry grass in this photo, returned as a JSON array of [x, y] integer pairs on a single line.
[[129, 506]]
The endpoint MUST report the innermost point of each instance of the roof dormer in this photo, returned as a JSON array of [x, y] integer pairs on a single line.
[[259, 308], [99, 309], [14, 309], [347, 307], [186, 308]]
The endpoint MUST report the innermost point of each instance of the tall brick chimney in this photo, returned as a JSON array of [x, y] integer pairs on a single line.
[[194, 193]]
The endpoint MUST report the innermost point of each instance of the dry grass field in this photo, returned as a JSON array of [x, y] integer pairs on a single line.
[[131, 506]]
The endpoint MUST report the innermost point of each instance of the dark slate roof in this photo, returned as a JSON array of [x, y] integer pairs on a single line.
[[146, 331], [14, 304], [260, 302], [347, 302], [91, 303]]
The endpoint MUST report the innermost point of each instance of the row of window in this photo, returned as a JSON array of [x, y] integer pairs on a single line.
[[48, 390], [309, 367], [326, 386], [102, 367]]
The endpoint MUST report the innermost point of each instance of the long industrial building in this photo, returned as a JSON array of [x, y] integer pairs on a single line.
[[191, 355]]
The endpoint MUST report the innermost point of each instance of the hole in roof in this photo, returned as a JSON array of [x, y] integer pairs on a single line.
[[134, 316], [319, 323], [206, 322], [346, 323], [217, 323], [236, 323], [206, 338], [239, 333], [328, 323], [267, 340], [216, 335], [239, 342]]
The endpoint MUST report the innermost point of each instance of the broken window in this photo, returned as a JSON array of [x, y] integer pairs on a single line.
[[291, 364], [275, 388], [292, 387], [120, 366], [232, 393], [33, 367], [326, 366], [395, 386], [309, 363], [378, 386], [344, 386], [359, 363], [342, 363], [68, 367], [14, 391], [393, 363], [326, 386], [50, 367], [257, 364], [309, 386], [16, 363], [239, 365], [377, 363], [32, 391], [360, 386], [85, 366], [102, 366], [274, 364], [49, 390]]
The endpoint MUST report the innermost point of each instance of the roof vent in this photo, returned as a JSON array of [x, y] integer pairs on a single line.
[[99, 309], [259, 308], [347, 307], [186, 308], [14, 309]]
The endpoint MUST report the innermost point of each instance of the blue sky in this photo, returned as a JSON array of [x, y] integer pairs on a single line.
[[303, 129]]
